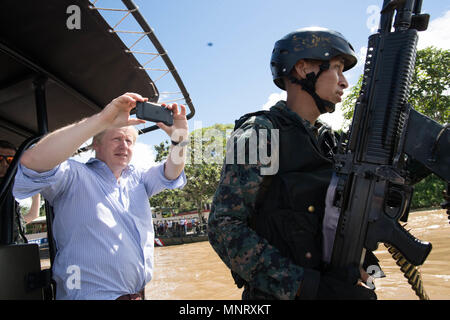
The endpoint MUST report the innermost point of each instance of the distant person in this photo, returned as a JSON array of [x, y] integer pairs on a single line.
[[7, 153], [266, 227], [103, 225]]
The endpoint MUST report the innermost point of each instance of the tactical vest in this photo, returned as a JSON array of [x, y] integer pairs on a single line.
[[290, 204]]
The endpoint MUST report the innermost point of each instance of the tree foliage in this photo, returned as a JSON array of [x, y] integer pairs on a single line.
[[429, 90], [429, 94], [203, 166], [428, 193], [431, 84]]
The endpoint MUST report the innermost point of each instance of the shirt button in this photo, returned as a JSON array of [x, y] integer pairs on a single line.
[[311, 209]]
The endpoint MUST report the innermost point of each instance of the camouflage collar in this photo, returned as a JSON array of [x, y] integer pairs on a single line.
[[282, 107]]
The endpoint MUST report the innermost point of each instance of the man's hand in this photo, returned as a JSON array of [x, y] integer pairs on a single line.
[[33, 213], [117, 113], [331, 288], [362, 281], [61, 144], [345, 283], [179, 130]]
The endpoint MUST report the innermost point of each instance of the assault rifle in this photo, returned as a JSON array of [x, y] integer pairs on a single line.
[[373, 182]]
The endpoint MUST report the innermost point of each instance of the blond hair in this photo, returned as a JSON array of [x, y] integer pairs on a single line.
[[98, 137]]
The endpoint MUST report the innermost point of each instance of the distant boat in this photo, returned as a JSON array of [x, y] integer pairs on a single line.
[[38, 238], [171, 241]]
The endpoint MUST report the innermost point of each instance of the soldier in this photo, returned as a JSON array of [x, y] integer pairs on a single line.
[[267, 228]]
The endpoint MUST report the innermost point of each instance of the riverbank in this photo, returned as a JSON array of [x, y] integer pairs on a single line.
[[195, 272]]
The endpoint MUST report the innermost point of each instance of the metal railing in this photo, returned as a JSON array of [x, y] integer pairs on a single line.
[[160, 53]]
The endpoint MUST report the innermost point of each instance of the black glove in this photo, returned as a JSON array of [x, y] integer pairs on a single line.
[[333, 288], [338, 284], [349, 274]]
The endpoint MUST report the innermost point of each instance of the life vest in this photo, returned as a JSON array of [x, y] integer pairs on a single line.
[[290, 204]]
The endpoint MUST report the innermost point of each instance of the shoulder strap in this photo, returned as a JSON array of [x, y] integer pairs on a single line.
[[328, 141], [247, 116]]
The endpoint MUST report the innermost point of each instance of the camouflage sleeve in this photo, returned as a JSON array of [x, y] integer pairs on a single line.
[[240, 247]]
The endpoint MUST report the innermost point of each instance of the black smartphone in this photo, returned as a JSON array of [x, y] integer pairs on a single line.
[[153, 112]]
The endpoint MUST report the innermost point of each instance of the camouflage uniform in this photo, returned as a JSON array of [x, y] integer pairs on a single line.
[[269, 273]]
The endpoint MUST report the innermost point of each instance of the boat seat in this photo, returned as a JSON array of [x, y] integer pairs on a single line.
[[18, 262]]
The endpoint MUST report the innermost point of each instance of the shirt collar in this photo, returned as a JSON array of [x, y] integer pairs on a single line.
[[100, 165]]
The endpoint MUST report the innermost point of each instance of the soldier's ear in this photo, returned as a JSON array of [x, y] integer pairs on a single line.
[[300, 69]]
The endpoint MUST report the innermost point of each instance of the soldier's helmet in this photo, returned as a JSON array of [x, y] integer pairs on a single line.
[[309, 43]]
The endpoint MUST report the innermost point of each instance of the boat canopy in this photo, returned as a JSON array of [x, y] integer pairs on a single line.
[[82, 69]]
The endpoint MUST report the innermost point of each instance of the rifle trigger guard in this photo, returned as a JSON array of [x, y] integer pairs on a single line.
[[434, 148]]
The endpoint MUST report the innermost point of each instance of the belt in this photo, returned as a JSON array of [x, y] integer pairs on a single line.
[[133, 296]]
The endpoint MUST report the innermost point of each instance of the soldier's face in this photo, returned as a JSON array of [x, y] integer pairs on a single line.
[[331, 83]]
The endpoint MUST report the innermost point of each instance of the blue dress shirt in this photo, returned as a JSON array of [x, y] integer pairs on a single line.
[[103, 227]]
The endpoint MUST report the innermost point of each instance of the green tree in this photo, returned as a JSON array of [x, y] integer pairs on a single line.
[[429, 94], [348, 104], [203, 166], [429, 90], [431, 83]]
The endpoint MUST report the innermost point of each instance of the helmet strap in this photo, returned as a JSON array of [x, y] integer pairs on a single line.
[[309, 85]]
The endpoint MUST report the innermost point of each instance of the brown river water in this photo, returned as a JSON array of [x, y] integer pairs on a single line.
[[195, 272]]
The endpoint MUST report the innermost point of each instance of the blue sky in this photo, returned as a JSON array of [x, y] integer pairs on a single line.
[[232, 76]]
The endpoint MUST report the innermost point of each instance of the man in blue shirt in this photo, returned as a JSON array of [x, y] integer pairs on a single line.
[[103, 226]]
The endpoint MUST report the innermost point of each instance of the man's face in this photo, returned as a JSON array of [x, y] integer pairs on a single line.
[[4, 165], [115, 148], [332, 82]]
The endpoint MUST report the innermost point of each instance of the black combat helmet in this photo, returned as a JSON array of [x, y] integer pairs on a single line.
[[310, 43]]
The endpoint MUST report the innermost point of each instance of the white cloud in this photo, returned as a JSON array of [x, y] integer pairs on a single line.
[[373, 20], [274, 98], [361, 56], [26, 203], [84, 156], [143, 156], [335, 119], [437, 34]]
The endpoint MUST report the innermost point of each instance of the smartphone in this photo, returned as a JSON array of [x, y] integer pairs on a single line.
[[153, 112]]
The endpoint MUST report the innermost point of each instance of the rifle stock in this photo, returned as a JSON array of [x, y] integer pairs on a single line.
[[373, 191]]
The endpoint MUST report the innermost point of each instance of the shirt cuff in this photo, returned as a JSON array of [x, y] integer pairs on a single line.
[[29, 182], [29, 173], [179, 182]]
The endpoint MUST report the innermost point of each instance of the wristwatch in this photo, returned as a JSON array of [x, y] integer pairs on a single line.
[[181, 143]]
